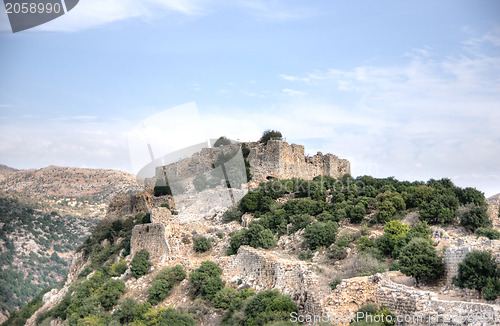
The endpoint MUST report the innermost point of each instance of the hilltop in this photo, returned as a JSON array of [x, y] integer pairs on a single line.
[[99, 185]]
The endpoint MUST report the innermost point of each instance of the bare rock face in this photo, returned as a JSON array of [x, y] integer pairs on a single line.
[[278, 159]]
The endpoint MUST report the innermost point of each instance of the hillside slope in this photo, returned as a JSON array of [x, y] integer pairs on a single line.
[[99, 185]]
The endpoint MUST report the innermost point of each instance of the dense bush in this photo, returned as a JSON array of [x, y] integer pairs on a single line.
[[112, 291], [140, 263], [440, 210], [393, 231], [420, 260], [255, 236], [364, 264], [388, 204], [132, 313], [475, 218], [129, 311], [164, 281], [478, 270], [320, 234], [202, 244], [206, 280], [488, 232], [264, 308], [232, 214], [118, 268]]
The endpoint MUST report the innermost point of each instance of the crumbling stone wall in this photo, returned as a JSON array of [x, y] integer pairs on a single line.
[[414, 307], [263, 271], [275, 158], [150, 237], [278, 159]]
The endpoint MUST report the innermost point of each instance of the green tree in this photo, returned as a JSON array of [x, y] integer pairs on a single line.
[[206, 279], [440, 210], [492, 289], [475, 271], [475, 218], [270, 134], [320, 234], [420, 260], [140, 263], [393, 231], [112, 291], [129, 311]]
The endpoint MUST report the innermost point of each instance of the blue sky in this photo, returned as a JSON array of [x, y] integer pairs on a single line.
[[405, 89]]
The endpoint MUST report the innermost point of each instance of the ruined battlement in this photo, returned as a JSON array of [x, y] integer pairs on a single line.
[[276, 158], [264, 271], [281, 160]]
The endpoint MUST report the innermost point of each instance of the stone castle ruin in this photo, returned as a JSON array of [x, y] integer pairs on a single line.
[[275, 158]]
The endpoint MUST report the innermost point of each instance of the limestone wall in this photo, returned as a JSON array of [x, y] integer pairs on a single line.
[[262, 271], [281, 160], [275, 158], [414, 307], [150, 237]]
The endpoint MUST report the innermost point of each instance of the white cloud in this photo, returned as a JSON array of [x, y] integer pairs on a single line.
[[289, 91]]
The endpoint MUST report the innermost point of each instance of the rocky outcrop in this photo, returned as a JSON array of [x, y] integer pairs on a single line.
[[493, 209], [130, 204]]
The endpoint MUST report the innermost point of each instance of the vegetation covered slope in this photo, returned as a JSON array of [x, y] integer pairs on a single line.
[[35, 248]]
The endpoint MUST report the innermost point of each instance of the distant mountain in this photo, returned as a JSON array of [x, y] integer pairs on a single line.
[[495, 197], [5, 171], [98, 185]]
